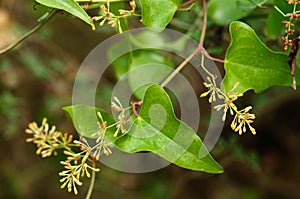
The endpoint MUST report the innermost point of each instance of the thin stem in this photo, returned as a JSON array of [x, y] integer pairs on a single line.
[[200, 49], [295, 7], [91, 6], [134, 107], [280, 11], [179, 68], [205, 69], [91, 187], [186, 9], [28, 34], [204, 23], [186, 3]]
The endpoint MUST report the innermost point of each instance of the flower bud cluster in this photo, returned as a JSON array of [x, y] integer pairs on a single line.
[[112, 19], [289, 24], [242, 119]]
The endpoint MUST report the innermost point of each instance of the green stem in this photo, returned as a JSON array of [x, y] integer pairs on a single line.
[[188, 8], [178, 69], [206, 70], [89, 193], [93, 6], [28, 34], [295, 6], [280, 11]]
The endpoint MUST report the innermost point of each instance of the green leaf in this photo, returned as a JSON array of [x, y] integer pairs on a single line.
[[223, 12], [85, 120], [69, 6], [252, 64], [156, 14], [159, 131], [156, 130]]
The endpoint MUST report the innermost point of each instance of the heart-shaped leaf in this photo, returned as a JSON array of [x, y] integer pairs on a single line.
[[156, 130], [69, 6], [159, 131], [252, 64], [156, 14]]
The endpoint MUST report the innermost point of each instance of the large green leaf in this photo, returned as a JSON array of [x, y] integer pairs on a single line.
[[223, 12], [252, 64], [156, 130], [69, 6], [159, 131], [156, 14]]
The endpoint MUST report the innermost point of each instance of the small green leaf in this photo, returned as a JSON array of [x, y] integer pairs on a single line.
[[252, 64], [223, 12], [159, 131], [69, 6], [85, 120], [156, 14]]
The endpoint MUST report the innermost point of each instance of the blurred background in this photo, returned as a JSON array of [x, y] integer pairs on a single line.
[[36, 81]]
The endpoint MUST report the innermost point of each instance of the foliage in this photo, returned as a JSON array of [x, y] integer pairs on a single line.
[[246, 63], [69, 6], [157, 14], [151, 124]]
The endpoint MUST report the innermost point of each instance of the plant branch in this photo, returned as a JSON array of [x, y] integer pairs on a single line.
[[91, 187], [134, 107], [28, 34], [204, 23], [179, 68], [200, 49], [186, 3]]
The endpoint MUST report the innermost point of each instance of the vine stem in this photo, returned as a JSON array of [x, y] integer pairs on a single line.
[[203, 31], [186, 3], [28, 34], [179, 68], [91, 187], [200, 49]]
